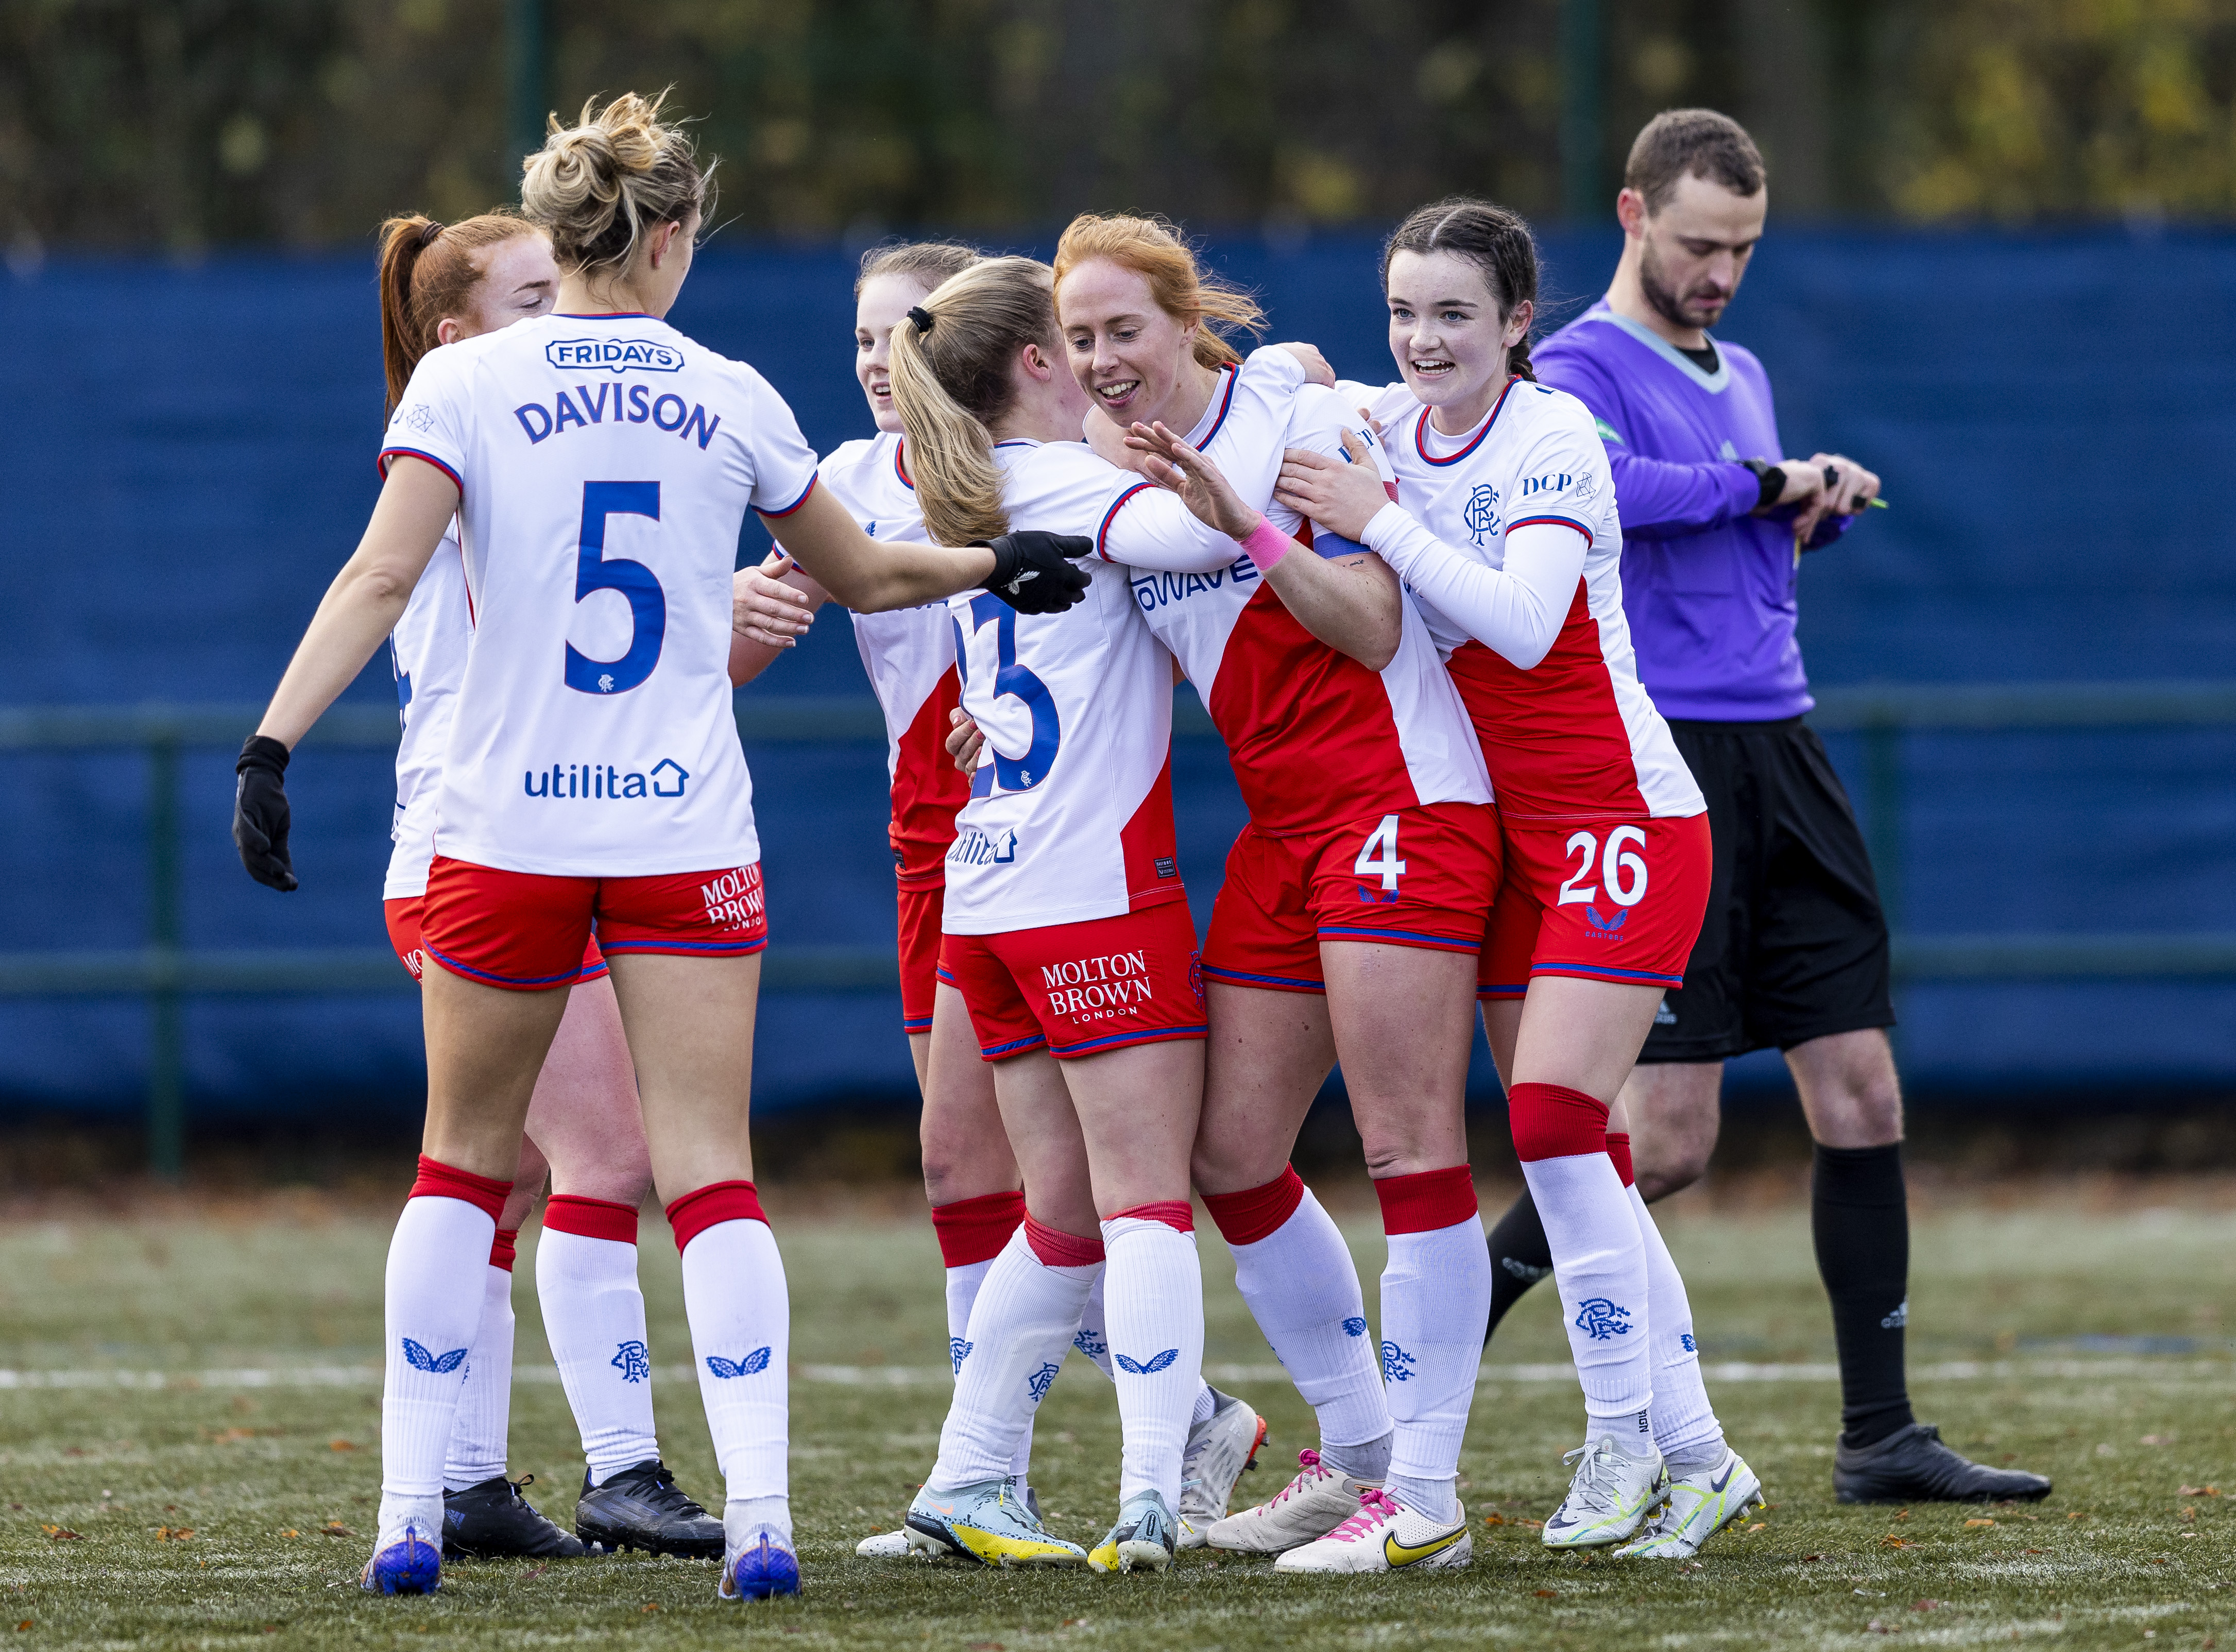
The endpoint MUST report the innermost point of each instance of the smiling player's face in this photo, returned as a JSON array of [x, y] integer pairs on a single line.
[[1445, 332], [885, 300], [519, 280], [1130, 358]]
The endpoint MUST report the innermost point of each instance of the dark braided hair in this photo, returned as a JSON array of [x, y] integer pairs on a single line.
[[1495, 240]]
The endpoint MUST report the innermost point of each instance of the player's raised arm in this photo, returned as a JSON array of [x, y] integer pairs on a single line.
[[1350, 602]]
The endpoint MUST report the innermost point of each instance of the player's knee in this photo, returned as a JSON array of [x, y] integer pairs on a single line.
[[1660, 1174]]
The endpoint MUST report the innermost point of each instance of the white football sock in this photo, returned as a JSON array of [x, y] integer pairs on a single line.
[[1154, 1295], [744, 1519], [434, 1294], [1599, 1264], [1302, 1289], [1436, 1303], [734, 1291], [963, 1284], [594, 1318], [478, 1433], [1684, 1426], [1023, 1318], [1094, 1338]]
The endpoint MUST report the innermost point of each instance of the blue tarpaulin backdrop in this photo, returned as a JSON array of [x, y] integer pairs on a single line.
[[190, 456]]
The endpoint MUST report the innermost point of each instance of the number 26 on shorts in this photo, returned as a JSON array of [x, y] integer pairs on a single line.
[[1621, 866]]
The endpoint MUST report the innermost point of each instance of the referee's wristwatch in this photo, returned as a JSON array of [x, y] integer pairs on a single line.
[[1772, 477]]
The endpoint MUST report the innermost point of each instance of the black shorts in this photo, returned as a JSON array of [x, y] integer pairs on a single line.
[[1793, 945]]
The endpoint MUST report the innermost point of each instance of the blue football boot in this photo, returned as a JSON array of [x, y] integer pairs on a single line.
[[408, 1562]]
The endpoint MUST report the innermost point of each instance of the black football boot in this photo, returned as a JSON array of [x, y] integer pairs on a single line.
[[1913, 1466], [493, 1521], [640, 1508]]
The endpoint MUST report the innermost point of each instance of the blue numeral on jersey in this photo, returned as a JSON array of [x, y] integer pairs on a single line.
[[1014, 681], [647, 602]]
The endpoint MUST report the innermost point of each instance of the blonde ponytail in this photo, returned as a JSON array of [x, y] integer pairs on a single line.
[[951, 381]]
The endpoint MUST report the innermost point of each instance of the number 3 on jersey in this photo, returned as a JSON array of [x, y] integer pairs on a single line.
[[1011, 682], [1624, 870], [593, 572]]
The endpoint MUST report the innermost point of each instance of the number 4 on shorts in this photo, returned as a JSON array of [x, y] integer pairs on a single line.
[[1378, 857]]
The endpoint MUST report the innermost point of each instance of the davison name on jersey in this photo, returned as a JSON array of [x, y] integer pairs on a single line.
[[605, 464]]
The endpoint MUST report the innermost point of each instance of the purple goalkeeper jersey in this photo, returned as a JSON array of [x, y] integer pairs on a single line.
[[1708, 588]]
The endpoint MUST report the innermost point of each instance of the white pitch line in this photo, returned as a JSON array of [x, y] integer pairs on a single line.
[[939, 1377]]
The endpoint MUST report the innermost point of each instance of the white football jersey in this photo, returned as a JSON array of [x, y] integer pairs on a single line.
[[428, 652], [910, 655], [1316, 739], [605, 464], [1070, 815], [1574, 737]]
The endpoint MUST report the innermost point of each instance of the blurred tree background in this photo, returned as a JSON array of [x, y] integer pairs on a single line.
[[194, 124]]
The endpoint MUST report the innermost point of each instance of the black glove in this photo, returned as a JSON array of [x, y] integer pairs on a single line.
[[260, 813], [1033, 571]]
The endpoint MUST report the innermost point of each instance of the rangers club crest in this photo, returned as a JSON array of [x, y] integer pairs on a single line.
[[1482, 515], [1601, 1319]]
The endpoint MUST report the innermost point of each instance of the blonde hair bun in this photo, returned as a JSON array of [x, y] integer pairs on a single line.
[[598, 186]]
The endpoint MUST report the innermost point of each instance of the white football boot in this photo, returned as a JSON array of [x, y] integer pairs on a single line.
[[1701, 1503], [895, 1545], [1312, 1505], [1608, 1498], [1217, 1449], [1386, 1536]]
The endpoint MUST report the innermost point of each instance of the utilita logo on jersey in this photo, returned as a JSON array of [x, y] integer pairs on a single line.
[[666, 779], [614, 355], [1107, 988], [976, 848]]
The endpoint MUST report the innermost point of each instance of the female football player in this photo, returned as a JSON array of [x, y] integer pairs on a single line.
[[439, 284], [1505, 526], [1354, 907], [593, 774], [1067, 934]]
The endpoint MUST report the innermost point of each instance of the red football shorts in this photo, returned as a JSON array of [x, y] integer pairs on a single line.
[[1424, 876], [1606, 900], [1080, 989], [526, 932], [919, 953], [404, 935]]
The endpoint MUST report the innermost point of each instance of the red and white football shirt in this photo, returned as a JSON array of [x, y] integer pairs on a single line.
[[428, 652], [1070, 815], [1316, 738], [910, 655], [1573, 736]]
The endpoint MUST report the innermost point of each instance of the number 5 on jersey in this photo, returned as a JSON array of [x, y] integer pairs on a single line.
[[593, 572], [1622, 867]]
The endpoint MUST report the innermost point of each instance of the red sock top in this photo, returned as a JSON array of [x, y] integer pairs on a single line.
[[1173, 1212], [1426, 1201], [974, 1230], [440, 1181], [1619, 1151], [1253, 1213], [504, 1247], [718, 1202], [1553, 1122], [571, 1213], [1056, 1248]]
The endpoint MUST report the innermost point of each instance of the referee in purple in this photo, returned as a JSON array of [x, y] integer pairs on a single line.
[[1793, 952]]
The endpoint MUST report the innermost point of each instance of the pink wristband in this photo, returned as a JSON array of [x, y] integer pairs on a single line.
[[1267, 545]]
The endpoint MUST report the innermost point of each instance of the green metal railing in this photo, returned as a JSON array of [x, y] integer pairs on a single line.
[[166, 971]]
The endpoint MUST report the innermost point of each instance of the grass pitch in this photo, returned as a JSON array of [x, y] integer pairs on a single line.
[[193, 1510]]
